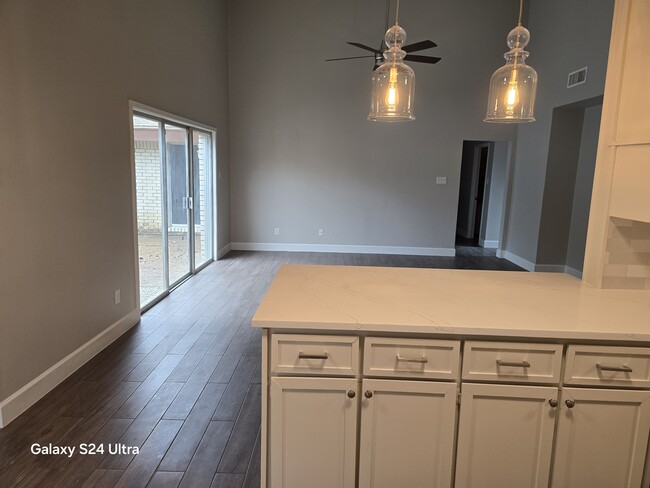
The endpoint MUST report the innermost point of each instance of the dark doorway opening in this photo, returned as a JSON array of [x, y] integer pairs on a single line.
[[472, 202]]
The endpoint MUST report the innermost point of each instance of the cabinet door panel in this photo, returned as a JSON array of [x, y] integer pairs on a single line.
[[313, 433], [505, 436], [601, 442], [407, 434]]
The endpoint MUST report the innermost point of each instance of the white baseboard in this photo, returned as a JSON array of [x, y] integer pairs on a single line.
[[501, 253], [224, 250], [573, 272], [550, 268], [413, 251], [540, 268], [519, 261], [488, 244], [28, 395]]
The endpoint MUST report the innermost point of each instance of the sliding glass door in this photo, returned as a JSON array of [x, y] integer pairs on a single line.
[[175, 198]]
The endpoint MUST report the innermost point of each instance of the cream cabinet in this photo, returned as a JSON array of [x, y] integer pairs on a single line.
[[505, 436], [347, 411], [602, 437], [313, 432], [407, 434]]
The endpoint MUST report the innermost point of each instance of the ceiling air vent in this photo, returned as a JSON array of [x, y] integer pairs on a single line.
[[577, 77]]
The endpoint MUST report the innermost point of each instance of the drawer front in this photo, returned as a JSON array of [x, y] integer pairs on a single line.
[[512, 362], [298, 354], [608, 365], [411, 358]]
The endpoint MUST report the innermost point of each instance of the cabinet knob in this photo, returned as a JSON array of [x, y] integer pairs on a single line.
[[553, 403], [351, 394], [570, 403], [368, 394]]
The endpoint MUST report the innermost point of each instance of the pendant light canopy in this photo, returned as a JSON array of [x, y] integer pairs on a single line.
[[513, 87], [393, 83]]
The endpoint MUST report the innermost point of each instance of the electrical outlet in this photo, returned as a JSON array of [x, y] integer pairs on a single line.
[[321, 232], [441, 180], [277, 231], [117, 296]]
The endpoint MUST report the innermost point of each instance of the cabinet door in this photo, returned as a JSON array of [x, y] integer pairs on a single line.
[[601, 442], [407, 434], [505, 436], [313, 432]]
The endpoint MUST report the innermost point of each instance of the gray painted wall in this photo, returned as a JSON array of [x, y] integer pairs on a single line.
[[303, 154], [69, 69], [492, 223], [584, 183], [561, 169], [565, 36]]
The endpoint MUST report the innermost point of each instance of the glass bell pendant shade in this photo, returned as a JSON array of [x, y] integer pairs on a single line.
[[393, 83], [513, 87]]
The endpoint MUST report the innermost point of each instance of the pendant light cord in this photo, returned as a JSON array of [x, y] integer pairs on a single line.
[[521, 8], [396, 17]]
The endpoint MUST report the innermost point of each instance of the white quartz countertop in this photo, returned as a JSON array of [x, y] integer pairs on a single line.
[[451, 302]]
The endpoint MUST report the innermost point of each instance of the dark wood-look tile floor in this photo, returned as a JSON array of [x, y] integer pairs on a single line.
[[183, 386]]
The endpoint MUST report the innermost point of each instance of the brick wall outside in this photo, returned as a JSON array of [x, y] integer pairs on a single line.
[[147, 181]]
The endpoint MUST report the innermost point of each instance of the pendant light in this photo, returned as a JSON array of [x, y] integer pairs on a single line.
[[513, 86], [393, 83]]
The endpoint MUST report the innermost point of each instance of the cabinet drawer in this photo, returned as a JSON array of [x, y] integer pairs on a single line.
[[411, 358], [512, 362], [608, 365], [314, 355]]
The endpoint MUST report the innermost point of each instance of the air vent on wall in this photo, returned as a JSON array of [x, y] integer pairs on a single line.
[[577, 77]]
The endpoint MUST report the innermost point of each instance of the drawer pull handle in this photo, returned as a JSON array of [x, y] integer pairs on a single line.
[[570, 403], [516, 364], [312, 356], [368, 394], [351, 393], [553, 403], [622, 369], [421, 359]]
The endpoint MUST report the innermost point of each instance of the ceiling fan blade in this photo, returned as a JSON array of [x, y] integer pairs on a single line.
[[363, 46], [419, 46], [421, 59], [351, 57]]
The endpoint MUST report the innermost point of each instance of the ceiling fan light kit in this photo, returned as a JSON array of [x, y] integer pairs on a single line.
[[393, 83], [513, 87]]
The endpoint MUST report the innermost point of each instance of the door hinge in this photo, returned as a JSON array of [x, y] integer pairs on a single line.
[[458, 395], [190, 203]]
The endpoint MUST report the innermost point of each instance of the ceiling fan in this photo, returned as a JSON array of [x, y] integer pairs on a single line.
[[378, 54]]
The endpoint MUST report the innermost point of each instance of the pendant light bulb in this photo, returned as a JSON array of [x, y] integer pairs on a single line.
[[393, 83], [513, 87], [392, 96]]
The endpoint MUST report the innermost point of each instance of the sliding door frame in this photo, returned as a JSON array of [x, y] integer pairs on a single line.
[[162, 117]]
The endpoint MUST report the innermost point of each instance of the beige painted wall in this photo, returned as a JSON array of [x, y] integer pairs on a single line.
[[66, 229]]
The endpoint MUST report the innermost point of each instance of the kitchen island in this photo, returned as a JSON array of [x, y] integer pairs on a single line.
[[380, 377]]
